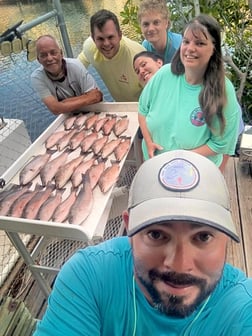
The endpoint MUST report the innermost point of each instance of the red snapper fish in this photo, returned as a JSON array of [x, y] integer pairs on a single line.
[[33, 167], [95, 172], [99, 124], [109, 177], [50, 169], [89, 123], [88, 141], [109, 147], [64, 141], [54, 138], [76, 177], [123, 148], [7, 201], [76, 139], [48, 207], [65, 172], [61, 212], [109, 124], [80, 121], [99, 144], [69, 122], [83, 205], [121, 126], [19, 204], [32, 207]]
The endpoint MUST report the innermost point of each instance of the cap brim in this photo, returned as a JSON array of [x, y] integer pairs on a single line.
[[198, 211]]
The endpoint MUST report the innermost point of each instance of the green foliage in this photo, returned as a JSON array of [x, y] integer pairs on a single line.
[[129, 17], [235, 18]]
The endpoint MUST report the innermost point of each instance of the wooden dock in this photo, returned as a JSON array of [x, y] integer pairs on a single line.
[[239, 180]]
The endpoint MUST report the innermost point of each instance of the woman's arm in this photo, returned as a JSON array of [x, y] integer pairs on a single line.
[[151, 146]]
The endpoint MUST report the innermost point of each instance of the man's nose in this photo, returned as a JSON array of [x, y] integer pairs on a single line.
[[106, 41], [180, 258], [49, 56], [151, 26]]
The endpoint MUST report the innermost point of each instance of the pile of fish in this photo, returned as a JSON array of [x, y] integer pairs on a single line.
[[58, 184]]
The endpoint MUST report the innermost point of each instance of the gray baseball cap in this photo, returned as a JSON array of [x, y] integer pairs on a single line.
[[180, 185]]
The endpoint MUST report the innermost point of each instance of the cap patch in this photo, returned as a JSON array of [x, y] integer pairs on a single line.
[[179, 175]]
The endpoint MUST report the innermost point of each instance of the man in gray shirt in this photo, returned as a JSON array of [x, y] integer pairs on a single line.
[[63, 84]]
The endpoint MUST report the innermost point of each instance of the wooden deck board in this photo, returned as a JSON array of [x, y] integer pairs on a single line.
[[244, 185], [235, 254], [239, 181]]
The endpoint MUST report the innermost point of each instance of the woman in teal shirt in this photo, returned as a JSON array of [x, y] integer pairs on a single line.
[[190, 104]]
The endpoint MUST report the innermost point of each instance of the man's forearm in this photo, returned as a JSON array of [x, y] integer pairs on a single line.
[[73, 103]]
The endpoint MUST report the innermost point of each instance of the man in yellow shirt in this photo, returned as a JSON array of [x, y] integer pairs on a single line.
[[111, 54]]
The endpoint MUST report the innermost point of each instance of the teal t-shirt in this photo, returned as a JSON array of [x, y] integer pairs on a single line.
[[175, 120], [95, 294]]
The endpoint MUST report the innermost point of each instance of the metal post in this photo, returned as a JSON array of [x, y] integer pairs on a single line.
[[22, 250], [36, 22], [58, 13], [62, 27]]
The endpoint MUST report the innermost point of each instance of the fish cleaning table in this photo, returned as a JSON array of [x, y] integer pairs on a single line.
[[92, 229]]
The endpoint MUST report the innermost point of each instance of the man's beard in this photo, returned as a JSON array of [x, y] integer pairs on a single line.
[[172, 305]]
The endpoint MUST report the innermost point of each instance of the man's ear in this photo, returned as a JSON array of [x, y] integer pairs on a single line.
[[125, 216]]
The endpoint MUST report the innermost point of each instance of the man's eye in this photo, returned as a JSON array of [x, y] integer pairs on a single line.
[[155, 235], [203, 237]]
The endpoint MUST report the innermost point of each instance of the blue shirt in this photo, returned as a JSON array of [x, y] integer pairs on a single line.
[[173, 43], [95, 294]]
